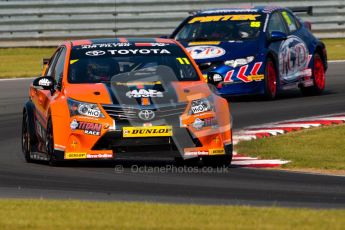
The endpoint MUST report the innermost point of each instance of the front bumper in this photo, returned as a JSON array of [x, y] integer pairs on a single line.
[[241, 88]]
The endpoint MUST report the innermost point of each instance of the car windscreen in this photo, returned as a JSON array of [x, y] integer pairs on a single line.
[[224, 27], [97, 63]]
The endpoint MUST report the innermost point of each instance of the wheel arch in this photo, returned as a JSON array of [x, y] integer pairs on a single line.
[[59, 115], [321, 50], [274, 58]]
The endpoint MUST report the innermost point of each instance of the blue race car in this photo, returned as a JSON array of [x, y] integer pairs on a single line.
[[259, 50]]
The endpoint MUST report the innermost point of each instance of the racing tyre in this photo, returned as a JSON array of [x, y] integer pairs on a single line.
[[26, 138], [220, 160], [49, 144], [270, 80], [318, 78]]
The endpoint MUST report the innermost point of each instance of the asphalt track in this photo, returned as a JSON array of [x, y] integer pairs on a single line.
[[232, 186]]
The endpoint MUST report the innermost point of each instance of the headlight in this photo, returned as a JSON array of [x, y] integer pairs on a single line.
[[217, 77], [83, 109], [200, 106], [239, 62]]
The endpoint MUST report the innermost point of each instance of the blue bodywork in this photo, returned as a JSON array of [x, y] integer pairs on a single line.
[[292, 53]]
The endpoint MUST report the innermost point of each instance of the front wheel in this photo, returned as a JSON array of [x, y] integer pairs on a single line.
[[318, 78], [26, 138], [270, 80]]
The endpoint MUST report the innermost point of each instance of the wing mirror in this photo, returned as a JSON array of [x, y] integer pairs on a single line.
[[277, 36], [44, 82]]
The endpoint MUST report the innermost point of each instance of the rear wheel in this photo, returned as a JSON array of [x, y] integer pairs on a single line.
[[49, 144], [270, 80], [318, 78], [26, 138]]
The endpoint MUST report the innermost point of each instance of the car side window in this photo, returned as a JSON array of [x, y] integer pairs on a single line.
[[58, 69], [276, 23], [52, 62], [290, 21]]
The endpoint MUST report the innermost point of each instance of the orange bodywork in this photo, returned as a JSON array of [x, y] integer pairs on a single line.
[[75, 144]]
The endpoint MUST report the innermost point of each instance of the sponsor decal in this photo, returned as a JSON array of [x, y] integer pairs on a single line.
[[105, 45], [150, 44], [74, 124], [99, 156], [216, 152], [88, 127], [137, 83], [196, 153], [71, 62], [73, 155], [139, 93], [44, 82], [200, 108], [138, 51], [146, 115], [150, 131], [217, 18], [198, 123], [259, 77], [95, 53], [241, 74], [204, 52], [222, 11], [293, 58], [204, 43]]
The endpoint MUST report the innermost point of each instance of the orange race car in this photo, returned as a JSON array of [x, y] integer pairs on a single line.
[[109, 99]]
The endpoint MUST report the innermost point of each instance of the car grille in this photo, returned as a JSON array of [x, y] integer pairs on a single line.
[[121, 113]]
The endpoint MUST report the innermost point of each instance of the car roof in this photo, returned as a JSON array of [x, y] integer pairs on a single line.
[[121, 40], [248, 9]]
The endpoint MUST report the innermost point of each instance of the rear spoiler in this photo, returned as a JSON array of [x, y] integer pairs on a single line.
[[308, 10]]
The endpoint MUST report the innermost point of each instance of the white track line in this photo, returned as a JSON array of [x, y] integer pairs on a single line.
[[273, 132], [332, 119], [15, 79], [260, 162], [336, 61]]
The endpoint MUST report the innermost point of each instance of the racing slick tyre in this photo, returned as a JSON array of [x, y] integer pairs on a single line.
[[270, 80], [219, 160], [26, 138], [318, 78], [49, 144]]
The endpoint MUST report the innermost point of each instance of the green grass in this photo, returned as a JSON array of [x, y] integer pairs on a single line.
[[27, 62], [48, 214], [23, 62], [320, 148], [335, 48]]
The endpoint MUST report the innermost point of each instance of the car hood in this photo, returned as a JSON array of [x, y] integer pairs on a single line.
[[93, 93], [132, 94], [203, 52]]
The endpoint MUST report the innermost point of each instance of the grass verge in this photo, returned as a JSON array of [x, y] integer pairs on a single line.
[[320, 149], [48, 214], [22, 62], [27, 62], [335, 48]]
